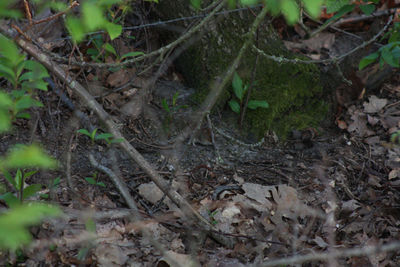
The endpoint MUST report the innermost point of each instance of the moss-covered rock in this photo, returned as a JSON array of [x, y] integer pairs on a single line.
[[293, 91]]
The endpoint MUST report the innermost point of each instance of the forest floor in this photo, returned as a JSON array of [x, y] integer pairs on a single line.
[[334, 189]]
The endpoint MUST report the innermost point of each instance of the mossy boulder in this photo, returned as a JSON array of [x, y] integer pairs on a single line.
[[293, 91]]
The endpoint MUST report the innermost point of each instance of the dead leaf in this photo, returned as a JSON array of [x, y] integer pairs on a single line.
[[171, 258], [375, 104], [319, 41], [359, 124], [110, 255]]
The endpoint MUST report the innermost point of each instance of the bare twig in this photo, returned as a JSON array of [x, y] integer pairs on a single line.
[[329, 60], [325, 256]]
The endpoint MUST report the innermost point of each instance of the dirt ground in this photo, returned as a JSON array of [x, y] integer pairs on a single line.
[[327, 191]]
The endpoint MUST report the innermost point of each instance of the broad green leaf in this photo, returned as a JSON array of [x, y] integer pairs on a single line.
[[253, 104], [9, 50], [196, 3], [234, 106], [103, 136], [7, 73], [11, 200], [18, 180], [93, 17], [390, 58], [29, 174], [113, 30], [345, 9], [28, 157], [75, 28], [5, 122], [367, 9], [248, 2], [37, 68], [24, 102], [23, 115], [237, 85], [335, 5], [290, 11], [84, 131], [5, 100], [31, 190], [132, 54], [14, 223], [9, 178], [90, 180], [313, 7], [109, 48], [273, 6], [365, 61], [101, 184]]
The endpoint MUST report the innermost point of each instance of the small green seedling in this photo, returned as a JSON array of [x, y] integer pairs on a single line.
[[211, 214], [93, 180], [107, 137], [240, 91], [171, 109], [18, 182]]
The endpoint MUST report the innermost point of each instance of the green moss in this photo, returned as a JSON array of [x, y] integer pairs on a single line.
[[293, 91]]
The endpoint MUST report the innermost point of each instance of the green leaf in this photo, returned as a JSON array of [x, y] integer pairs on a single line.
[[165, 105], [345, 9], [313, 7], [367, 9], [273, 6], [109, 48], [9, 50], [75, 28], [14, 223], [365, 61], [5, 121], [104, 136], [234, 106], [335, 5], [389, 57], [56, 182], [101, 184], [248, 2], [90, 180], [132, 54], [253, 104], [290, 11], [23, 115], [31, 190], [237, 85], [24, 102], [23, 156], [113, 30], [93, 17], [196, 3], [9, 178], [38, 69], [11, 201], [84, 131]]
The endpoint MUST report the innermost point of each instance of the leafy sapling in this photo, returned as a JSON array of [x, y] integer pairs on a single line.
[[93, 180], [18, 183], [171, 109], [240, 91], [107, 137]]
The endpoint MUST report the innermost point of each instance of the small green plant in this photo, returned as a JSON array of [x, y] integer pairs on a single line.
[[240, 91], [18, 182], [101, 50], [107, 137], [171, 109], [93, 180], [25, 76], [211, 214], [389, 53]]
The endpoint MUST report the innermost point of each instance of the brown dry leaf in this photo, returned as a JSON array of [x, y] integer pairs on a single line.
[[350, 205], [259, 193], [118, 78], [319, 41], [375, 104], [359, 124], [372, 120], [110, 255], [374, 180], [172, 257], [394, 174], [153, 194]]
